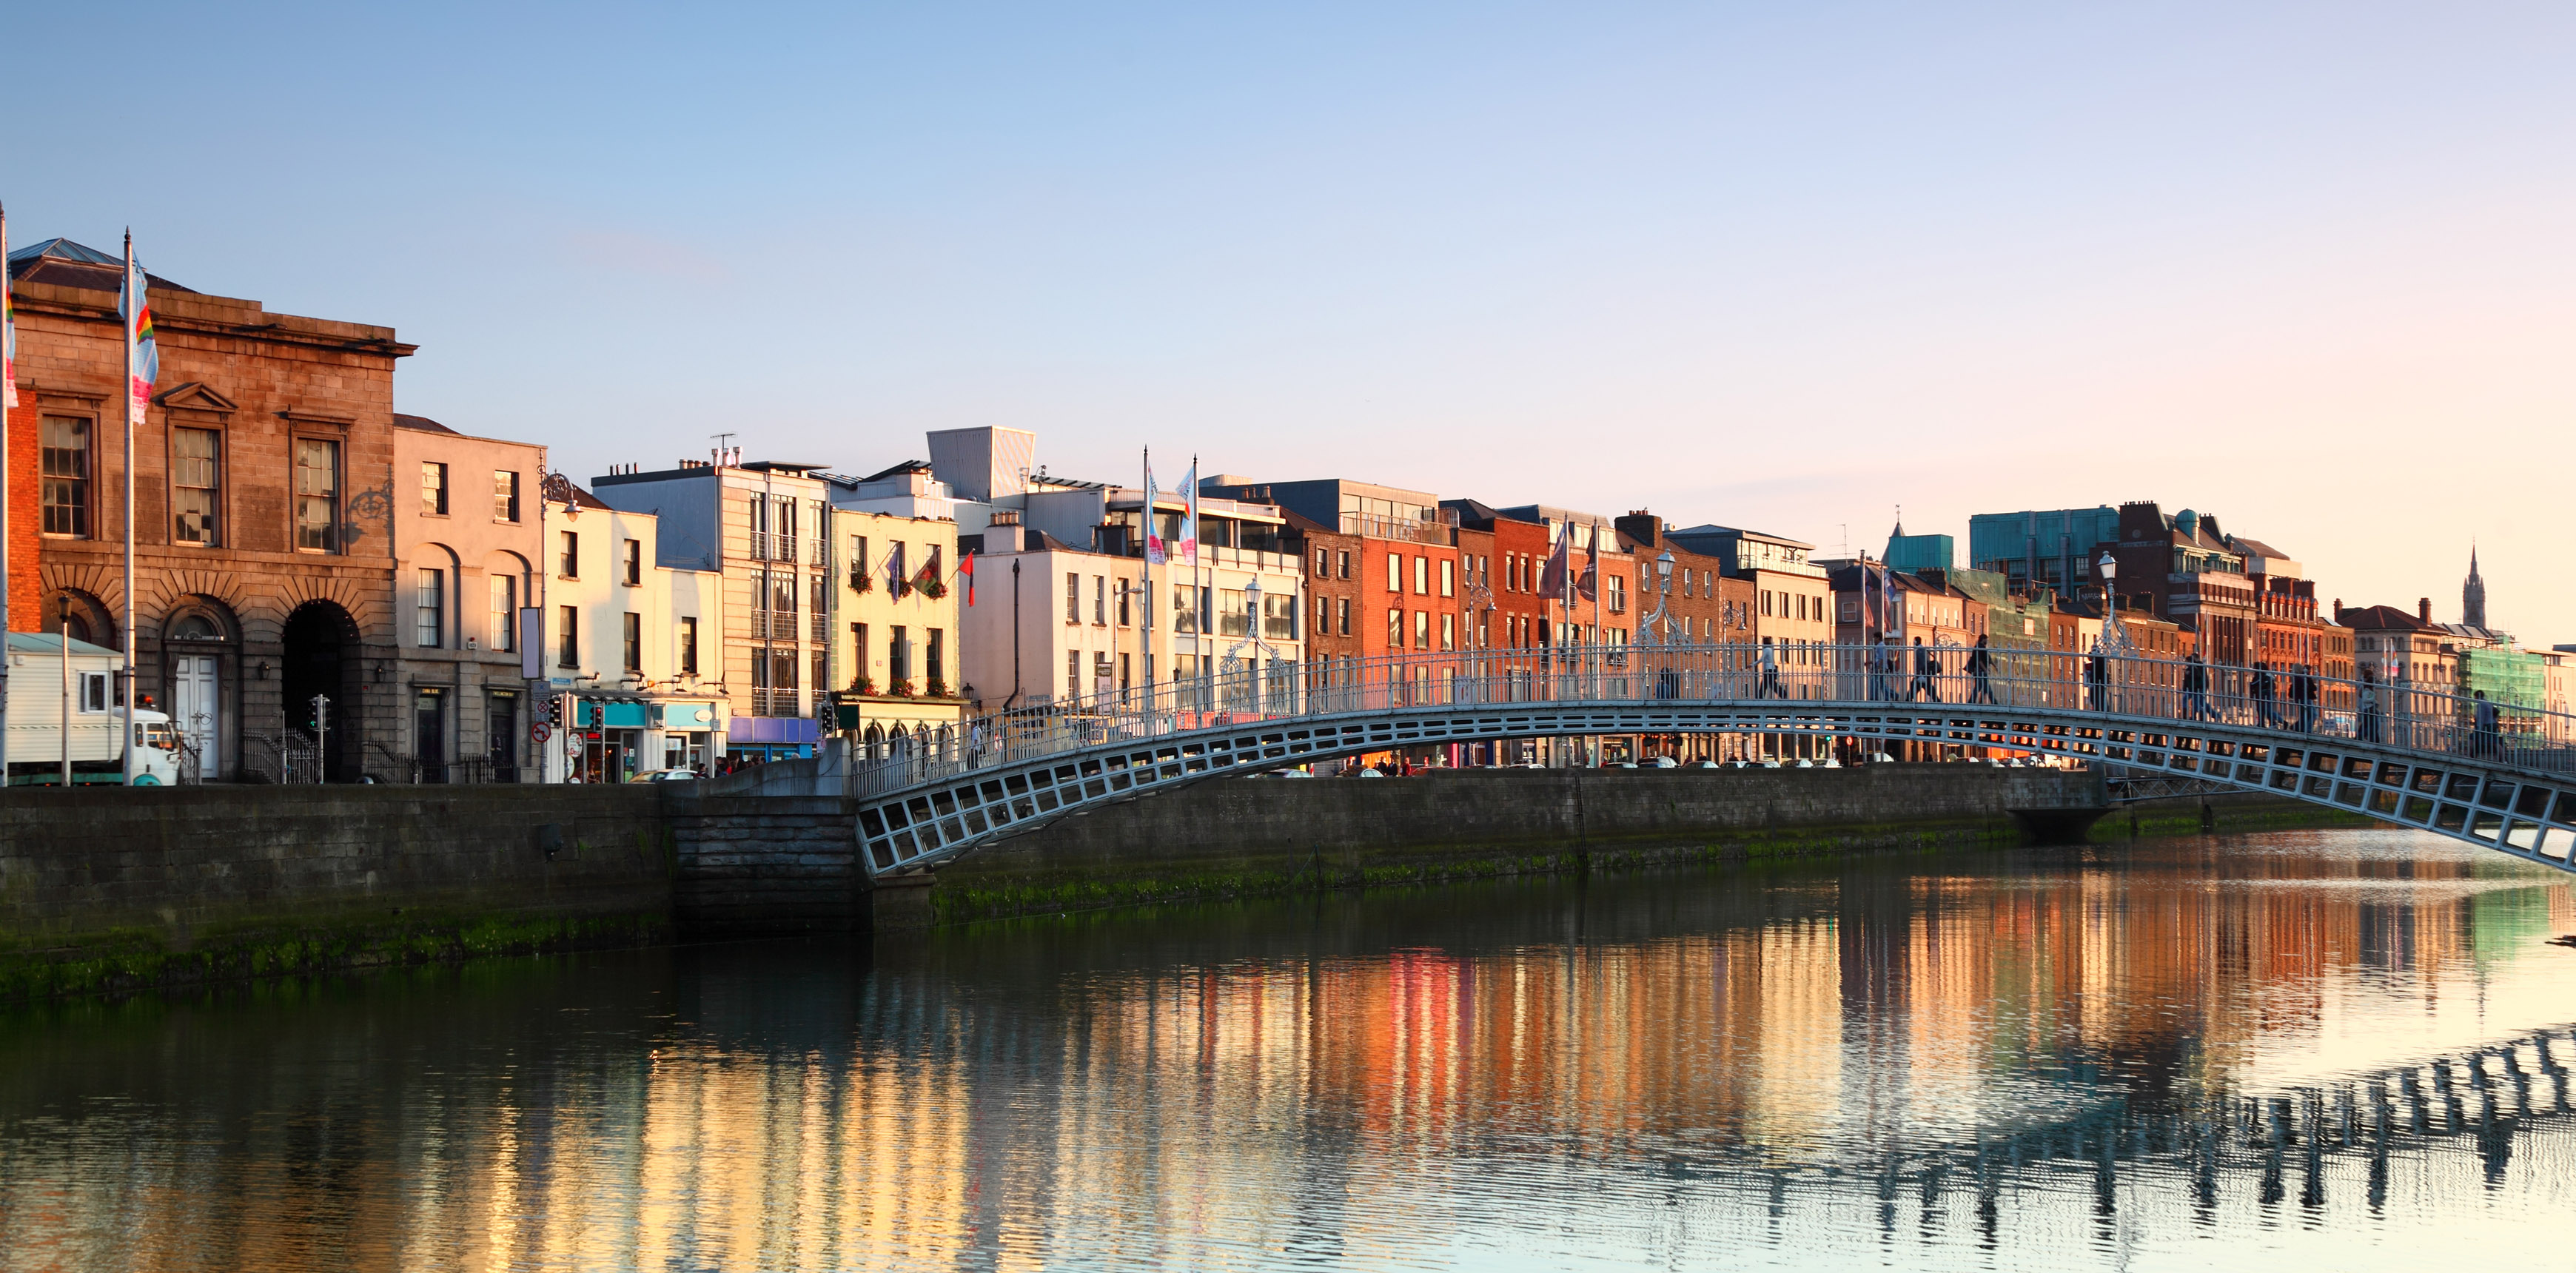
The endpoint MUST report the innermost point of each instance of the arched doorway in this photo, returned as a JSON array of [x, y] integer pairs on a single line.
[[320, 661], [199, 661]]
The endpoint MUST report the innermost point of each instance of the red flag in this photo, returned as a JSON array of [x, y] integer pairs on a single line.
[[966, 570]]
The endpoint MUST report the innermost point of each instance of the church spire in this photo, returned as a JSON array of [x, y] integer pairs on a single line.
[[2473, 593]]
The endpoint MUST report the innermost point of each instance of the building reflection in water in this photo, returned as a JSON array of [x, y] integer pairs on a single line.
[[2095, 1051]]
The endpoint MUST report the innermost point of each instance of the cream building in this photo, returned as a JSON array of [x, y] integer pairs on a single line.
[[628, 647]]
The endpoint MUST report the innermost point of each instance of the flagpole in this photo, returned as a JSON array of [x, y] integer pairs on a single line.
[[8, 402], [134, 307], [1145, 545]]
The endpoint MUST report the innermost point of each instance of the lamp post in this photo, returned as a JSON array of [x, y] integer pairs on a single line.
[[1663, 596], [2111, 642]]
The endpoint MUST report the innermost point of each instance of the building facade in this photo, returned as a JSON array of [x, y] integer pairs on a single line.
[[627, 648], [467, 529], [265, 497]]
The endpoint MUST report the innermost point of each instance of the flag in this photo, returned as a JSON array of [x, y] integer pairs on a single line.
[[1156, 553], [966, 571], [1189, 546], [1551, 581], [1588, 587], [8, 324], [144, 354]]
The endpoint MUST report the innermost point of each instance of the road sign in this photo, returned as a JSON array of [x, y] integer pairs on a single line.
[[540, 732]]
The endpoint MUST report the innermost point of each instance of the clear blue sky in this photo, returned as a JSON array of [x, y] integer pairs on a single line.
[[2311, 268]]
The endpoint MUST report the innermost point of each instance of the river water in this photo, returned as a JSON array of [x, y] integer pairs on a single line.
[[2343, 1048]]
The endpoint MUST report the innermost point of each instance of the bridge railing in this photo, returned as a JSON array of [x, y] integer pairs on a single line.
[[1904, 681]]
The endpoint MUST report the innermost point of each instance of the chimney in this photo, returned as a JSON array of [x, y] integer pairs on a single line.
[[2424, 609]]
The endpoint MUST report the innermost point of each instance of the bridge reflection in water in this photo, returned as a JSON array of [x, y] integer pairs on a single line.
[[2218, 1051]]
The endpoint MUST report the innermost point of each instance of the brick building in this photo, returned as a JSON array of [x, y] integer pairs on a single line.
[[466, 543], [264, 497]]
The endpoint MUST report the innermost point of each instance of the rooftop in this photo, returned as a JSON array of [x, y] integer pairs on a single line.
[[64, 263]]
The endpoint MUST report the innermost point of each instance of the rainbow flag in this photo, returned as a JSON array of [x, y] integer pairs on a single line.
[[143, 352]]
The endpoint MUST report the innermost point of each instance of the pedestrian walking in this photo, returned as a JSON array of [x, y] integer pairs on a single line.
[[2490, 737], [1981, 689], [2097, 679], [2195, 688], [1882, 667], [2265, 709], [1771, 687], [2368, 703], [2307, 696], [1922, 688]]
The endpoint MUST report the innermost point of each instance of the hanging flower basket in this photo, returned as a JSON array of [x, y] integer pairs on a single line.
[[935, 689], [863, 583], [901, 689], [932, 589], [864, 685]]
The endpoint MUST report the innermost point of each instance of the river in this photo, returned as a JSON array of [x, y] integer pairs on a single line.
[[2344, 1048]]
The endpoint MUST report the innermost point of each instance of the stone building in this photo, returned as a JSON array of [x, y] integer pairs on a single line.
[[264, 500]]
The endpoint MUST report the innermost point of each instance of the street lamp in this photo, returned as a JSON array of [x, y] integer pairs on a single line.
[[2110, 599]]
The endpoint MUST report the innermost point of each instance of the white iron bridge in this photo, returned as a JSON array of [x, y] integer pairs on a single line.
[[2498, 775]]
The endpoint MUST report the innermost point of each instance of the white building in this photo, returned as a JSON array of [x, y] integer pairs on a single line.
[[1063, 604], [628, 647]]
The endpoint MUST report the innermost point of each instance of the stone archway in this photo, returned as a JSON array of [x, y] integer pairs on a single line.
[[200, 683], [320, 659]]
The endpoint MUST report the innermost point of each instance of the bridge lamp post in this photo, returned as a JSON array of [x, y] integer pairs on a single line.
[[2111, 640]]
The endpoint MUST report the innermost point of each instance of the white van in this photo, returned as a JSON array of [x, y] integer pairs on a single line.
[[38, 672]]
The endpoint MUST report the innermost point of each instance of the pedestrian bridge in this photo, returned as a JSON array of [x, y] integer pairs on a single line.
[[2500, 776]]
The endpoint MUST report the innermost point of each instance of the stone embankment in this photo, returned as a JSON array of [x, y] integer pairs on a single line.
[[104, 889]]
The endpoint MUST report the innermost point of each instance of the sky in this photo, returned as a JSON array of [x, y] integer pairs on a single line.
[[2308, 267]]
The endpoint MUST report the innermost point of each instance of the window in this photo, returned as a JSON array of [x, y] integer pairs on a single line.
[[66, 476], [1126, 587], [505, 496], [568, 636], [632, 642], [430, 623], [1073, 674], [1100, 600], [1279, 616], [569, 567], [634, 563], [1422, 576], [1394, 572], [898, 653], [1395, 629], [1342, 609], [317, 495], [1448, 632], [1233, 612], [1342, 563], [1618, 588], [505, 612], [858, 653], [1448, 584], [93, 690], [194, 473], [935, 665], [1323, 616], [689, 644], [1422, 629], [858, 557], [1072, 597], [433, 488], [1185, 610], [822, 669], [1323, 561]]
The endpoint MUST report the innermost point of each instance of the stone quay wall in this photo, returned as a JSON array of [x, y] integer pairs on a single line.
[[106, 888]]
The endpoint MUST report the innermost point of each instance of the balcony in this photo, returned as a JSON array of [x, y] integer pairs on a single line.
[[766, 702], [769, 547], [822, 629]]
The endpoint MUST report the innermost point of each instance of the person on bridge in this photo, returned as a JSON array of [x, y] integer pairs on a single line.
[[1882, 670], [2490, 739], [1923, 689], [2258, 687], [2303, 689], [1981, 688], [2195, 688], [1770, 673], [2369, 707], [2097, 678]]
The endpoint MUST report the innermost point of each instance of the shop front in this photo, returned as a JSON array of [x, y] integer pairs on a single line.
[[686, 734], [608, 736]]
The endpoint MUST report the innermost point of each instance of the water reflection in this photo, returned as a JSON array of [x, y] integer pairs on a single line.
[[2350, 1046]]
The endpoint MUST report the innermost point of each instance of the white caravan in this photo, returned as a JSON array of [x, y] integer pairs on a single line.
[[44, 679]]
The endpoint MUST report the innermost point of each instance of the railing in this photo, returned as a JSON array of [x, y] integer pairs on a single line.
[[822, 627], [766, 546], [1901, 681], [767, 702]]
